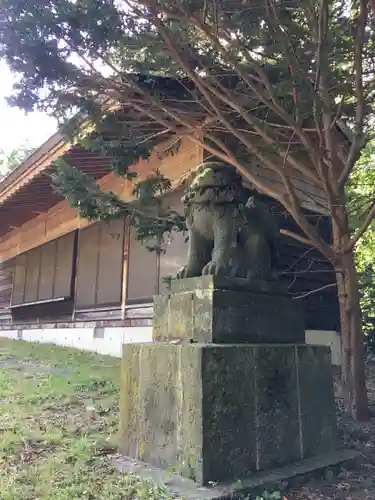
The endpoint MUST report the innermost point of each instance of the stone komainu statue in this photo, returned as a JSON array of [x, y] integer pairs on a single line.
[[230, 233]]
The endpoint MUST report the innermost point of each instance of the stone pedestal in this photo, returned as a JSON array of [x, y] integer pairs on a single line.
[[221, 412], [216, 309], [237, 392]]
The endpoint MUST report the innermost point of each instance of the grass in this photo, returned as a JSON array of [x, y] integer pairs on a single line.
[[59, 413]]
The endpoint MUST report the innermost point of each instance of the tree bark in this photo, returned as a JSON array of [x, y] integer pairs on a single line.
[[352, 346]]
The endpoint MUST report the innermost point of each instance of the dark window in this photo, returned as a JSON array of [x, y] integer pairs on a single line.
[[100, 265]]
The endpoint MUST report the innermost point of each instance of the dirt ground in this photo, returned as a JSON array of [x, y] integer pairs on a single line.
[[357, 483]]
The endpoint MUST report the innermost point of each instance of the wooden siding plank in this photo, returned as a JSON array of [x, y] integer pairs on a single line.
[[88, 253], [142, 272], [173, 259], [176, 247], [19, 280], [64, 266], [110, 266], [7, 270], [47, 271], [32, 275], [44, 273]]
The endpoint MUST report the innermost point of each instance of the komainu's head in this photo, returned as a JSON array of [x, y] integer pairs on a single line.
[[213, 182]]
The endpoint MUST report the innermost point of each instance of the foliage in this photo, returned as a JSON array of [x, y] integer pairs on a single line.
[[148, 213], [12, 160], [367, 283], [99, 52], [361, 190], [59, 419]]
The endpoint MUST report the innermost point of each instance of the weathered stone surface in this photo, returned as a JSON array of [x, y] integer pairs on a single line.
[[182, 314], [129, 397], [228, 405], [202, 311], [276, 385], [211, 282], [293, 475], [219, 412], [318, 415], [189, 450], [160, 402], [231, 314], [182, 404], [254, 318], [161, 316]]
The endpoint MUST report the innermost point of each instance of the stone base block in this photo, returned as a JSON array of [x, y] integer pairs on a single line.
[[216, 309], [289, 476], [222, 412]]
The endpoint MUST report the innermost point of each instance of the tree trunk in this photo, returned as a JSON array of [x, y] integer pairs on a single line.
[[352, 346]]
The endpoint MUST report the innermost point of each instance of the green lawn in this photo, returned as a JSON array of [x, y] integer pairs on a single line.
[[59, 413]]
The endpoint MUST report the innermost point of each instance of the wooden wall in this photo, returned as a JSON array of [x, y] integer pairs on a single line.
[[311, 195], [147, 270], [300, 267], [62, 219], [100, 265], [303, 269], [45, 273]]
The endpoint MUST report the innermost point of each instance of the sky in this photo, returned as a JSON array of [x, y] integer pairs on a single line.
[[16, 126]]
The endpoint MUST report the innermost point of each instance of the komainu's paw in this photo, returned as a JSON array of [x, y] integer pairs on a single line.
[[181, 273], [214, 268], [186, 272]]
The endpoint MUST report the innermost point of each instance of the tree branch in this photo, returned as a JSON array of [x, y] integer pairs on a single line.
[[269, 100], [227, 157], [297, 237], [303, 295], [359, 139], [207, 89]]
